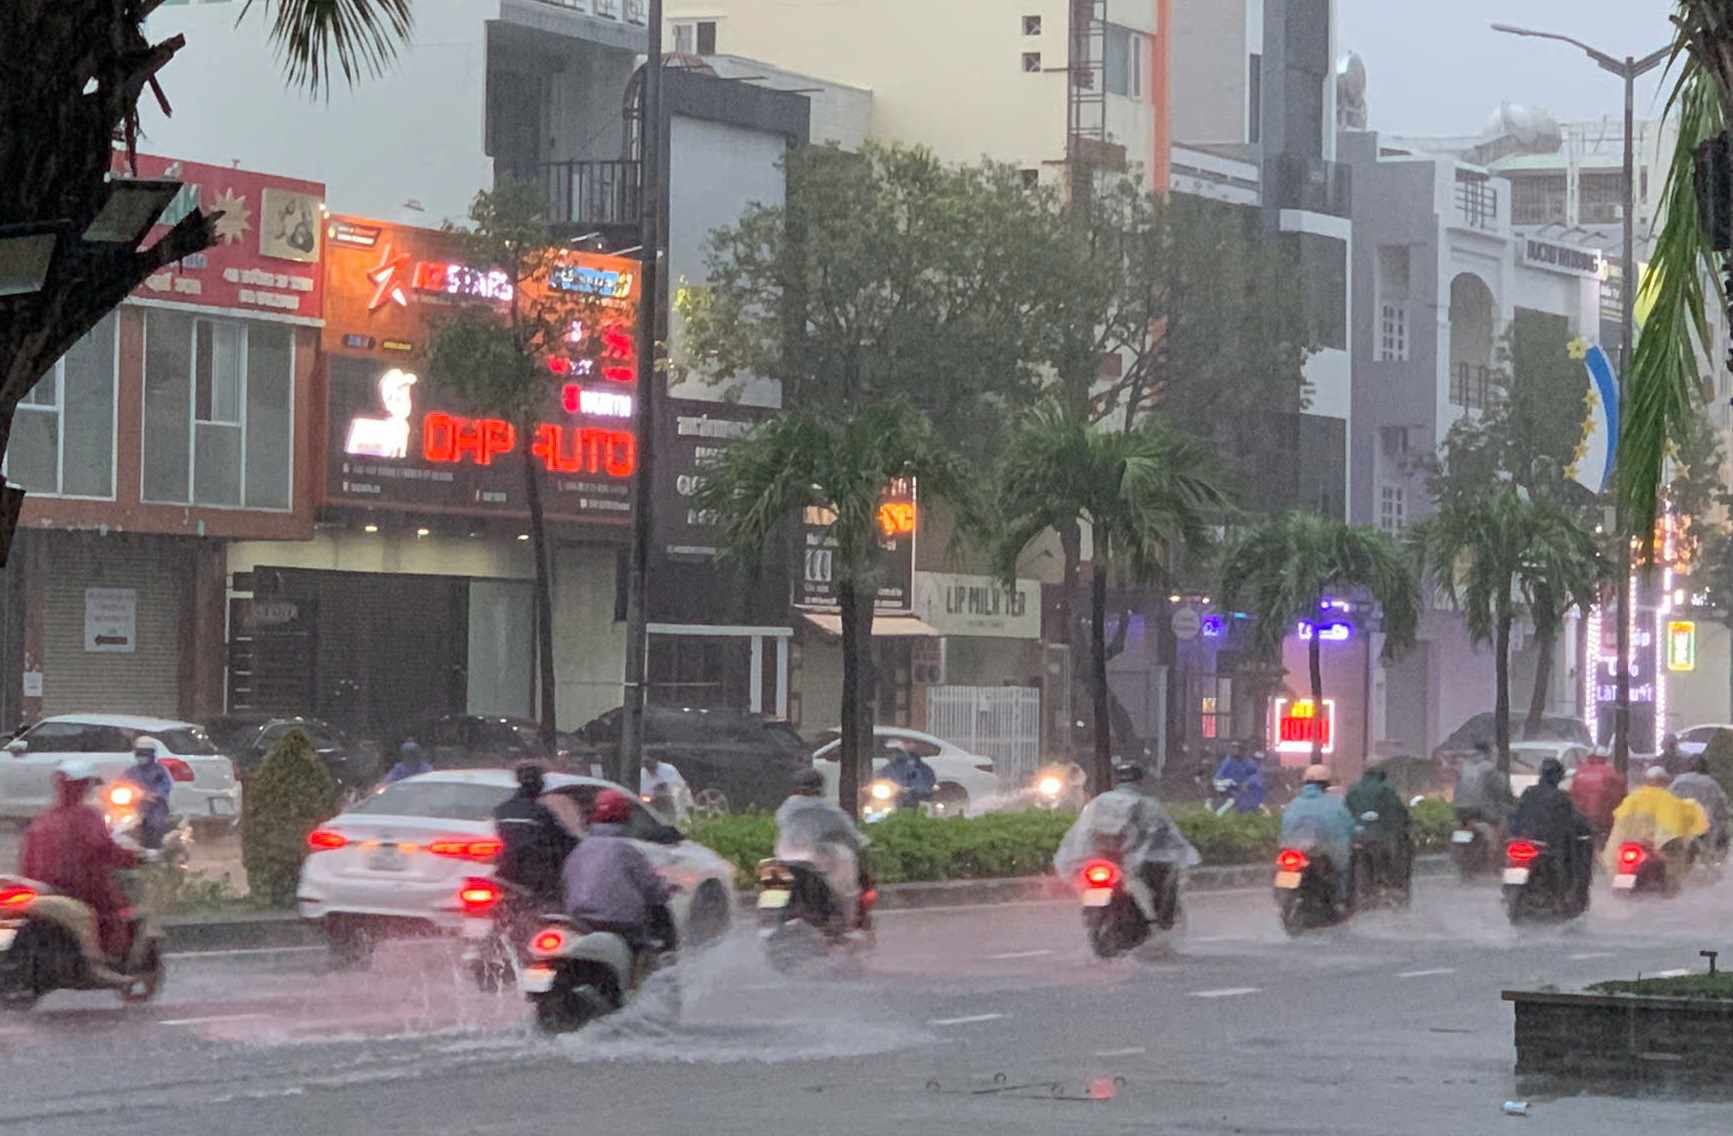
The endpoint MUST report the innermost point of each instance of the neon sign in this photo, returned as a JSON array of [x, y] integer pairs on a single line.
[[386, 437], [449, 439], [897, 518], [461, 280], [1333, 632], [602, 404], [1681, 645], [1297, 727], [608, 283]]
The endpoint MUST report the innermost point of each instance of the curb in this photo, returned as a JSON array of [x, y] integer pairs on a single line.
[[278, 929]]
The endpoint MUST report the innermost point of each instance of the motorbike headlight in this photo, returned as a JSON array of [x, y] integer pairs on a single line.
[[1050, 786], [120, 795], [883, 790]]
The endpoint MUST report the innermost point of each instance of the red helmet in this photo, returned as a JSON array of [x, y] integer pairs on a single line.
[[612, 807]]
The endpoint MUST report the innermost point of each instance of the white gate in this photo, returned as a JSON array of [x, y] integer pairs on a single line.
[[1000, 722]]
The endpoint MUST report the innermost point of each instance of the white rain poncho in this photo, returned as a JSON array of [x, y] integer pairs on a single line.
[[1125, 826], [814, 831]]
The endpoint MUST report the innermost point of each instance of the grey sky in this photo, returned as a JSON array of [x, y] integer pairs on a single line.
[[1440, 69]]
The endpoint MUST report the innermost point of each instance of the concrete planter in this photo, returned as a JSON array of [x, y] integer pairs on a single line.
[[1628, 1037]]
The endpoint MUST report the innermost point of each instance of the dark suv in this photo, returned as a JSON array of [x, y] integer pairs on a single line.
[[733, 759], [248, 738], [479, 741]]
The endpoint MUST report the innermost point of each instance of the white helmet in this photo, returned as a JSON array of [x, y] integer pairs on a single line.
[[78, 769], [144, 743]]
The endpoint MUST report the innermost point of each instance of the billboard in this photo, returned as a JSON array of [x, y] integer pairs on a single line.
[[396, 438], [814, 567], [692, 433]]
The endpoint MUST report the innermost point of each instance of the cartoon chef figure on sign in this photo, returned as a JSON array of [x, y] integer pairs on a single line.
[[386, 437]]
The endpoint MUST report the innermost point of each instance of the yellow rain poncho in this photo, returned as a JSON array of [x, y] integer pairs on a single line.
[[1653, 816]]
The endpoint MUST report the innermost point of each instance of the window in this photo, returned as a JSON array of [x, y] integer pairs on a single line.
[[1324, 277], [1031, 61], [1031, 178], [441, 800], [1392, 509], [1537, 200], [1393, 332], [1601, 197], [695, 37], [218, 420], [62, 439], [1254, 98], [1031, 25], [1122, 63]]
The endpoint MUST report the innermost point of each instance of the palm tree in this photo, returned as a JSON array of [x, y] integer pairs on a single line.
[[1565, 570], [1144, 494], [1283, 570], [1490, 554], [837, 466]]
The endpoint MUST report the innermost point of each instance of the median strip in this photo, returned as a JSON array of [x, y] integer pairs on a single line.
[[1017, 955], [1226, 992], [966, 1021]]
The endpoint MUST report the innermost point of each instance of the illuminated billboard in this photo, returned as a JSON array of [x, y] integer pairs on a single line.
[[1295, 725]]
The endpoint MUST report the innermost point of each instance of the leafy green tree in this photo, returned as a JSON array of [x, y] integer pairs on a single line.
[[1283, 569], [291, 794], [1144, 493], [835, 466], [1491, 555]]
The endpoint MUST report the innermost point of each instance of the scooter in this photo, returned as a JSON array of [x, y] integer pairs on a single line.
[[1306, 892], [1375, 882], [1474, 848], [1641, 868], [499, 918], [1537, 883], [577, 974], [796, 918], [1120, 911]]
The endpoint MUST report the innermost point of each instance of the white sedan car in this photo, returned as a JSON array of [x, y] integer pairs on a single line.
[[964, 778], [396, 861], [1525, 759], [205, 789]]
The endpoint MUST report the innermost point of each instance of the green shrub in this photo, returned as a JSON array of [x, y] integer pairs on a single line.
[[1719, 756], [1433, 822], [289, 795], [1233, 838]]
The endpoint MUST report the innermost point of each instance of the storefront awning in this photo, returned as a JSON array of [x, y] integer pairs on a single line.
[[884, 626]]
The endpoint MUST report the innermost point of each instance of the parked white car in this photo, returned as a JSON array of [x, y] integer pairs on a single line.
[[964, 778], [1695, 739], [1525, 759], [395, 861], [205, 789]]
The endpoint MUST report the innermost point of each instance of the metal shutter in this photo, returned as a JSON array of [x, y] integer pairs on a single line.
[[145, 681]]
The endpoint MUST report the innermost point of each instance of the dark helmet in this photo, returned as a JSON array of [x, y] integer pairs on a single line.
[[1552, 771], [531, 777], [1127, 773], [809, 782]]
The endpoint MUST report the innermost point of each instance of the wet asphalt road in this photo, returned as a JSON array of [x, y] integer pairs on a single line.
[[1393, 1025]]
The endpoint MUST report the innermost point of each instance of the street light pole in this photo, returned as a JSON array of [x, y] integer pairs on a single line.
[[1630, 70], [644, 484]]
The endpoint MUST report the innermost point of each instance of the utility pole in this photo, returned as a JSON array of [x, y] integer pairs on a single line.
[[644, 484], [1630, 70]]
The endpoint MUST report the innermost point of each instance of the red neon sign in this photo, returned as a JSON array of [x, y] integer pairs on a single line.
[[585, 449], [448, 439]]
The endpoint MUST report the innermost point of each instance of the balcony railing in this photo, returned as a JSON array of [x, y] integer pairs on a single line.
[[1477, 203], [583, 192], [1472, 387]]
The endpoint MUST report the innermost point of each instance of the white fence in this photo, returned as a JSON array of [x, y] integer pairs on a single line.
[[1000, 722]]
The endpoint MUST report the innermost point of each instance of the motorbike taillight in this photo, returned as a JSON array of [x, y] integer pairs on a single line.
[[1631, 856], [1522, 853], [1291, 860], [1100, 873]]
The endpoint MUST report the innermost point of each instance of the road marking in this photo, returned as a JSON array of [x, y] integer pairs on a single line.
[[970, 1020], [1680, 973], [1226, 992], [1586, 955], [209, 1020], [242, 951], [1427, 973], [1128, 1051], [1018, 955]]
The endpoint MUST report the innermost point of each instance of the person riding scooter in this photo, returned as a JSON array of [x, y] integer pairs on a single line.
[[1697, 785], [1482, 793], [69, 849], [1127, 825], [1545, 813], [610, 885], [154, 784], [1654, 817], [911, 774], [1239, 777], [1596, 790], [1320, 824], [534, 843], [1388, 830], [809, 829], [411, 762]]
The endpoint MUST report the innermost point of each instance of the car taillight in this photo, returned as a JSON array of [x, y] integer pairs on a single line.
[[1291, 860], [1631, 856], [178, 770], [478, 896], [548, 942], [1100, 873], [324, 840], [478, 851], [17, 895], [1522, 853]]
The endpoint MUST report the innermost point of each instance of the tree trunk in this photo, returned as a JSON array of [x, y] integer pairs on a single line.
[[1071, 549], [544, 591], [857, 714], [1102, 772], [1501, 699], [1315, 664], [1545, 644]]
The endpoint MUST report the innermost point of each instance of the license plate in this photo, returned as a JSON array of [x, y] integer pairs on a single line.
[[1098, 897], [1516, 875], [1624, 882], [477, 928], [537, 979], [7, 934], [1288, 880], [773, 900], [1461, 837], [222, 807], [386, 859]]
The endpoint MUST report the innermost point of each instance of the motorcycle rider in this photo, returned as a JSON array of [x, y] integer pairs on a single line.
[[664, 790], [535, 842], [1482, 793], [154, 784], [68, 848], [1653, 816], [1545, 813], [810, 829], [1319, 823], [1671, 758], [1392, 850], [911, 773], [610, 885], [1697, 785], [1597, 789], [1127, 825], [410, 762], [1245, 780]]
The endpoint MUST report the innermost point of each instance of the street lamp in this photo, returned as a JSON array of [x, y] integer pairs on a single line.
[[1629, 69], [26, 253], [131, 208]]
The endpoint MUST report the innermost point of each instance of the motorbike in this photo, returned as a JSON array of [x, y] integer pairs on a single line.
[[1057, 787], [499, 919], [1474, 847], [1376, 883], [1643, 868], [1305, 889], [1537, 883], [577, 974], [796, 920], [1120, 911]]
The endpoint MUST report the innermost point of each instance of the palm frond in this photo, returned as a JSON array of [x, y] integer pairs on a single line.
[[361, 35]]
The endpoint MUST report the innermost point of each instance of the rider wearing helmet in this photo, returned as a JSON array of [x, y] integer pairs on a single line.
[[1697, 785], [1653, 815], [154, 784], [911, 773], [1318, 823], [1546, 813], [812, 830], [1382, 819], [1127, 825], [1482, 793], [610, 885], [410, 762], [534, 844]]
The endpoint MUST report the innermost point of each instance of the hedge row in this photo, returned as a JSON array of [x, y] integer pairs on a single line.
[[908, 848]]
